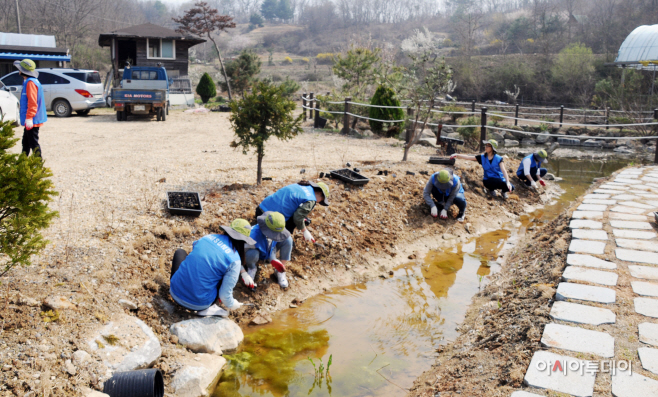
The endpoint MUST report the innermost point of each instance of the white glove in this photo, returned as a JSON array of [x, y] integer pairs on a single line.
[[533, 184], [509, 187], [29, 124], [236, 304], [453, 156], [248, 281], [308, 236], [435, 212], [444, 214]]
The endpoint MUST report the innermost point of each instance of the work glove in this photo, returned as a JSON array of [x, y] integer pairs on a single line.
[[444, 214], [248, 281], [435, 212], [541, 182], [453, 156], [509, 186], [308, 236], [29, 124], [278, 265], [533, 184], [236, 305]]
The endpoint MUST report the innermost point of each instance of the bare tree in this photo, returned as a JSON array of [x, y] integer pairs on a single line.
[[202, 20]]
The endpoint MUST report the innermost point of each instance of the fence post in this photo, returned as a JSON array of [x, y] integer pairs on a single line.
[[304, 105], [316, 118], [585, 116], [311, 104], [516, 115], [655, 120], [607, 117], [346, 116], [561, 114], [473, 106], [410, 125], [483, 128]]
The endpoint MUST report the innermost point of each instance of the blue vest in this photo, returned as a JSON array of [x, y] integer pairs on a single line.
[[492, 169], [455, 181], [262, 243], [533, 164], [287, 199], [41, 116], [198, 278]]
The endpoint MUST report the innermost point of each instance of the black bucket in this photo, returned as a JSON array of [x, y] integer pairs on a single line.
[[141, 383]]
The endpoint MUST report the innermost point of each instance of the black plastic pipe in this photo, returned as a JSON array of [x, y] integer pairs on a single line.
[[141, 383]]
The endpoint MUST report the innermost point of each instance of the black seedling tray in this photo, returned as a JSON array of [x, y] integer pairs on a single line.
[[442, 160], [349, 176], [184, 203]]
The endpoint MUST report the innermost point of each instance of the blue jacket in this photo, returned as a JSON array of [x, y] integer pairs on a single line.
[[492, 169], [264, 246], [41, 116], [213, 262], [533, 163], [287, 199]]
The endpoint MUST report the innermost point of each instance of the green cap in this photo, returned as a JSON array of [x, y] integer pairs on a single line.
[[444, 176], [325, 191], [27, 67], [542, 153], [492, 142], [273, 225], [240, 230]]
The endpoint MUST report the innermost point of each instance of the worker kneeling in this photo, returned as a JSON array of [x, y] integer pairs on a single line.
[[211, 270], [530, 170], [442, 191], [270, 235]]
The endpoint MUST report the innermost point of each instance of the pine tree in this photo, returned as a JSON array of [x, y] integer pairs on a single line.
[[384, 96], [25, 190], [269, 9], [206, 88], [284, 11], [242, 71]]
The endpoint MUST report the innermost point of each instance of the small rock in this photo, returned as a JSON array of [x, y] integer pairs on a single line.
[[293, 306], [145, 257], [549, 177], [173, 339], [208, 334], [198, 375], [80, 357], [391, 272], [130, 305], [86, 392], [447, 236], [261, 319], [70, 368], [412, 256], [58, 303], [27, 301]]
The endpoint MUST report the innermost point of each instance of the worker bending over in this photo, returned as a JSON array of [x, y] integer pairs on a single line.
[[295, 202], [530, 170], [209, 273], [270, 235], [442, 191], [495, 173]]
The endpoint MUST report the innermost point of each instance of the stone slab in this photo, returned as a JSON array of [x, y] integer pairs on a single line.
[[212, 335], [626, 217], [613, 187], [631, 225], [587, 247], [585, 224], [625, 197], [636, 256], [585, 292], [597, 196], [592, 207], [634, 234], [574, 273], [594, 215], [589, 261], [645, 272], [632, 384], [650, 179], [637, 205], [645, 289], [648, 333], [616, 184], [540, 375], [524, 394], [649, 359], [589, 234], [578, 340], [646, 306], [626, 180], [581, 314], [603, 190], [197, 375], [599, 201], [637, 244], [627, 210]]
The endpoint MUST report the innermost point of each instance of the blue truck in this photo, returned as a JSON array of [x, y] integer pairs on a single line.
[[144, 90]]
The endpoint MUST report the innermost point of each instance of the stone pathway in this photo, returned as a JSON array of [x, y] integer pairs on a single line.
[[609, 287]]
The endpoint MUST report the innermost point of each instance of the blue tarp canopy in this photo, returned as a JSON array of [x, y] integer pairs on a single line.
[[35, 57]]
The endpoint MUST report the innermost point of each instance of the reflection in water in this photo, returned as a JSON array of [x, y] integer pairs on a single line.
[[384, 333]]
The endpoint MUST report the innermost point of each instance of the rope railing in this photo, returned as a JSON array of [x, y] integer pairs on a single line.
[[577, 125], [574, 136]]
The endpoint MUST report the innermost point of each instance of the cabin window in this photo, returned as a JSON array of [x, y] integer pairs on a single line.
[[160, 49]]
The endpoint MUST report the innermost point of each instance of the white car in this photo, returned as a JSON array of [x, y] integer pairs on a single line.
[[9, 105]]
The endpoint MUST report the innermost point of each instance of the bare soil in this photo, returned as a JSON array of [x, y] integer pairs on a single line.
[[114, 239]]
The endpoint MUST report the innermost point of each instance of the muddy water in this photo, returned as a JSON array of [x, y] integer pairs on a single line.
[[379, 336]]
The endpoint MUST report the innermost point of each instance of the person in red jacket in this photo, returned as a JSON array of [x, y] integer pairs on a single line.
[[33, 106]]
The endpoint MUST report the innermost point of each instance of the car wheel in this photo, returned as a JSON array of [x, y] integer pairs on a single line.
[[119, 115], [62, 108], [164, 114], [158, 114], [83, 112]]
